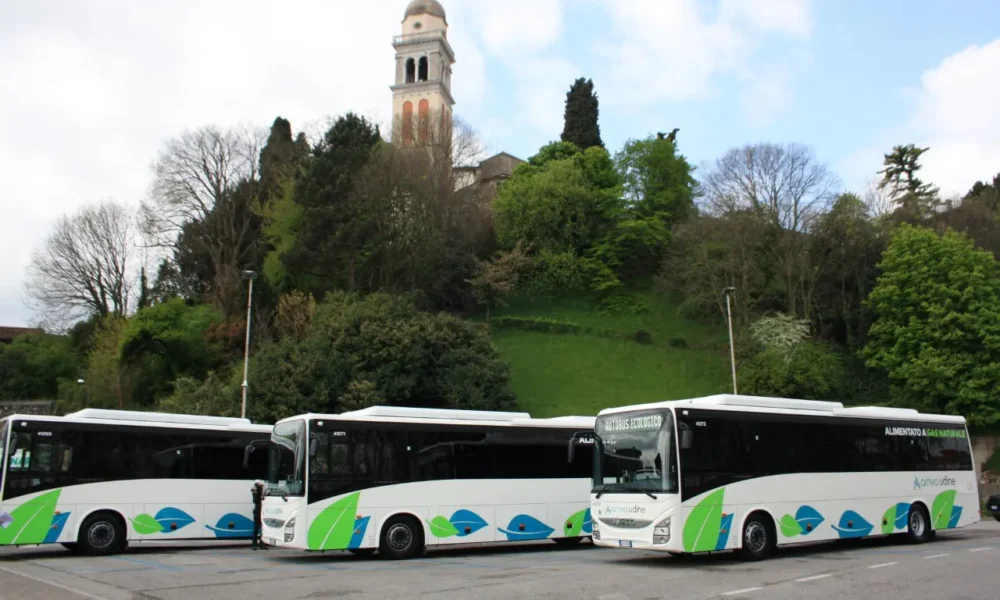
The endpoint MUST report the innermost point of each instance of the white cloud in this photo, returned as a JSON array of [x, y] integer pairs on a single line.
[[516, 27], [91, 91], [957, 117], [673, 50], [953, 113]]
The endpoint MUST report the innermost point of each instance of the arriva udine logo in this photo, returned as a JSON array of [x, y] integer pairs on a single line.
[[922, 482]]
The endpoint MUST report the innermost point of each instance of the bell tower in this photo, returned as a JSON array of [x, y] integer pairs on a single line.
[[421, 97]]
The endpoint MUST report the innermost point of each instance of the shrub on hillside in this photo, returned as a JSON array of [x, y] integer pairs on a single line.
[[379, 349], [810, 371]]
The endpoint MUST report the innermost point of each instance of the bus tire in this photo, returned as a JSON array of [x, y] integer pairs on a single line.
[[402, 537], [996, 516], [758, 537], [918, 524], [102, 533]]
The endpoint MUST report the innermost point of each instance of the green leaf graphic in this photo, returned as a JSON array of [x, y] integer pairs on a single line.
[[789, 526], [332, 529], [941, 509], [441, 527], [31, 520], [701, 528], [574, 525], [146, 525], [889, 520]]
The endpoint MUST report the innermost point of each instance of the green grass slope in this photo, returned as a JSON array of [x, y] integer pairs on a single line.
[[556, 374]]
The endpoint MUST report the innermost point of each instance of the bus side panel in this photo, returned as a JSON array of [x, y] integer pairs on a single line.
[[453, 512], [827, 506]]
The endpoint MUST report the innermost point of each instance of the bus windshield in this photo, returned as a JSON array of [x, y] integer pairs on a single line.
[[638, 453], [287, 460]]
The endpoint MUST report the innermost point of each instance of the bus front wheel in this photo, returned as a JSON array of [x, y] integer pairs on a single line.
[[918, 525], [402, 537], [758, 537], [102, 533]]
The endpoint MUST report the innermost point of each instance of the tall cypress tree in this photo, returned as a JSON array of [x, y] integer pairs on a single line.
[[581, 126]]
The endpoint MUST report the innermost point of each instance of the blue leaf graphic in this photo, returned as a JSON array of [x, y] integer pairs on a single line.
[[902, 515], [727, 523], [55, 530], [588, 522], [466, 518], [173, 519], [525, 527], [232, 525], [852, 525], [808, 518], [956, 514], [358, 535]]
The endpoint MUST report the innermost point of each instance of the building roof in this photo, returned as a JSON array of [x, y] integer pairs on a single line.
[[7, 334], [425, 7]]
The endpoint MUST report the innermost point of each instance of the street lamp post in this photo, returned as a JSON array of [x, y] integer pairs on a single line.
[[732, 348], [250, 275]]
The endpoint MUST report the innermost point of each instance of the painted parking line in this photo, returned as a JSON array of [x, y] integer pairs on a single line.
[[883, 565], [814, 577], [980, 549], [937, 556], [743, 591]]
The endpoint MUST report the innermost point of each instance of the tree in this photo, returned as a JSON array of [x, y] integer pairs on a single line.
[[379, 348], [937, 326], [658, 181], [87, 266], [708, 254], [498, 278], [33, 365], [326, 253], [581, 114], [559, 203], [846, 245], [280, 157], [915, 199], [204, 192], [787, 188]]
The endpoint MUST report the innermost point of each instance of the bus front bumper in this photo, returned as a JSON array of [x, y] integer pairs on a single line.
[[281, 523]]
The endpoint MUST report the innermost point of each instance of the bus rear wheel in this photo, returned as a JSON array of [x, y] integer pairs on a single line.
[[402, 537], [102, 533], [918, 528], [758, 537]]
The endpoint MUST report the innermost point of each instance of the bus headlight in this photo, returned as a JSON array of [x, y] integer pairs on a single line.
[[661, 532], [290, 530], [595, 529]]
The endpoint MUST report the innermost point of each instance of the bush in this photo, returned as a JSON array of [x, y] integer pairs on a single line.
[[379, 349], [643, 337], [677, 342], [811, 371]]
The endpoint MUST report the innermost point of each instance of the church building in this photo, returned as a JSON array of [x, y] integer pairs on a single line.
[[422, 104]]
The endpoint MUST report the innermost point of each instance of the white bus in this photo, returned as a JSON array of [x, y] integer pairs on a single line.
[[95, 480], [746, 473], [398, 480]]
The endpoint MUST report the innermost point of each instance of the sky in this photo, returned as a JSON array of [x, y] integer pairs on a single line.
[[91, 91]]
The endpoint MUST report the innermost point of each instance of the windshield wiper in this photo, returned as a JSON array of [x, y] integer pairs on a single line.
[[631, 488], [638, 490]]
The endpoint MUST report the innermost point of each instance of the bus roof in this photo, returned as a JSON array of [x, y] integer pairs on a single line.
[[151, 419], [402, 414], [791, 406]]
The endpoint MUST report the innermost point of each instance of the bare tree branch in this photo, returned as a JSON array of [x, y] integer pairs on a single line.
[[87, 266]]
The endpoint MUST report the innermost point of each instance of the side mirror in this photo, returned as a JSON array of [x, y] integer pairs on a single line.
[[246, 456], [687, 439], [313, 446], [571, 449]]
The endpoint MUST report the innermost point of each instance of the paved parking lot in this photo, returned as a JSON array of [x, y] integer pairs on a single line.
[[958, 565]]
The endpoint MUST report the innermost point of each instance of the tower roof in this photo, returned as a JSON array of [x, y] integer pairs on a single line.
[[422, 7]]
